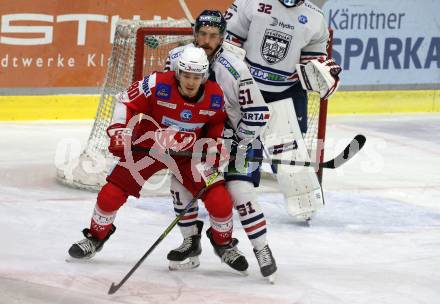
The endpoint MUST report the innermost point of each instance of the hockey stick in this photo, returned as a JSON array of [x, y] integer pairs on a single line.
[[115, 287], [355, 145]]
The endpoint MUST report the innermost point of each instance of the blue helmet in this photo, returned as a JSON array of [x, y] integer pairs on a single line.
[[291, 3], [211, 18]]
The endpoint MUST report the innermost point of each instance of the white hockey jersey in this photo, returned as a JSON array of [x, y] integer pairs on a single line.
[[276, 38], [246, 109]]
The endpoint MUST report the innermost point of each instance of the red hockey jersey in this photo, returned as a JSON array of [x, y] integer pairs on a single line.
[[170, 120]]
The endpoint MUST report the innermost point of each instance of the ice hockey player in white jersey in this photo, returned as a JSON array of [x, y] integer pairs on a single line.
[[247, 115], [285, 43]]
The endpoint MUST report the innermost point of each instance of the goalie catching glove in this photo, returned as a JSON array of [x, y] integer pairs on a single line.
[[319, 76], [119, 135]]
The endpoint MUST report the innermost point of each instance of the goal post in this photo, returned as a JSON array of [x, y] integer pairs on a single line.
[[130, 60], [140, 48]]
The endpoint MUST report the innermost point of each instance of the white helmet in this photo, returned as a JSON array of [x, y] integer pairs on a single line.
[[193, 60]]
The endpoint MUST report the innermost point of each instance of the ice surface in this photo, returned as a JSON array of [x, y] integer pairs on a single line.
[[376, 241]]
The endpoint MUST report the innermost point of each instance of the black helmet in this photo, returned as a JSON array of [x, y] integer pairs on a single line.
[[211, 18], [291, 3]]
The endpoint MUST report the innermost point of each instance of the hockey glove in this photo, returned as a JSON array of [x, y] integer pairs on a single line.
[[120, 136], [319, 76]]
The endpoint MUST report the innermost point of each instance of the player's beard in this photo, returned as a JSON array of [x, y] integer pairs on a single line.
[[208, 50]]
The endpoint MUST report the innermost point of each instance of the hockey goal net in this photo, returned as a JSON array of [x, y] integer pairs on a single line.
[[140, 48]]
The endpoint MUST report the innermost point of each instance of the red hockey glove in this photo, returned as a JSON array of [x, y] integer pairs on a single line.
[[120, 136]]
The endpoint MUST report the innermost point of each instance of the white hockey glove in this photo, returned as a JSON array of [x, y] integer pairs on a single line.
[[319, 76]]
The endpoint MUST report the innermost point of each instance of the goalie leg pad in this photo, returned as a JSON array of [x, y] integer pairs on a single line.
[[284, 140]]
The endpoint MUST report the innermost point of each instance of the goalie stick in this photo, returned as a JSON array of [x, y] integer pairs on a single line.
[[115, 287], [355, 145]]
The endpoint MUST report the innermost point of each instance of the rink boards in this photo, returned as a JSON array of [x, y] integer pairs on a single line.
[[76, 107]]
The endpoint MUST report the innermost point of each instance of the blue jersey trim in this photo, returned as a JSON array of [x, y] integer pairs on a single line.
[[313, 54], [253, 219], [268, 69], [255, 235], [253, 123], [254, 109]]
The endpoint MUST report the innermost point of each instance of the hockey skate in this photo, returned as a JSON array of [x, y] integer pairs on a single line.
[[229, 254], [87, 248], [186, 256], [265, 259]]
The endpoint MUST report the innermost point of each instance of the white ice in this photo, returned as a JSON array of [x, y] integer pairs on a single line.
[[376, 241]]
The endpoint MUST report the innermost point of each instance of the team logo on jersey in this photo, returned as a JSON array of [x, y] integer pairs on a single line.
[[302, 19], [171, 138], [275, 46], [163, 91], [216, 102], [186, 115]]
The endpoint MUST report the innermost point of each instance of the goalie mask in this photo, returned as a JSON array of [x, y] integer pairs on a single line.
[[211, 18], [292, 3], [193, 60]]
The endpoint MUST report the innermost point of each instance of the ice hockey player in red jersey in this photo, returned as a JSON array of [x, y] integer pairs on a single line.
[[177, 111]]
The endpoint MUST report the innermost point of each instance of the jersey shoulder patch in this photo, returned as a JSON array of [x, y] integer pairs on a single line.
[[164, 84]]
